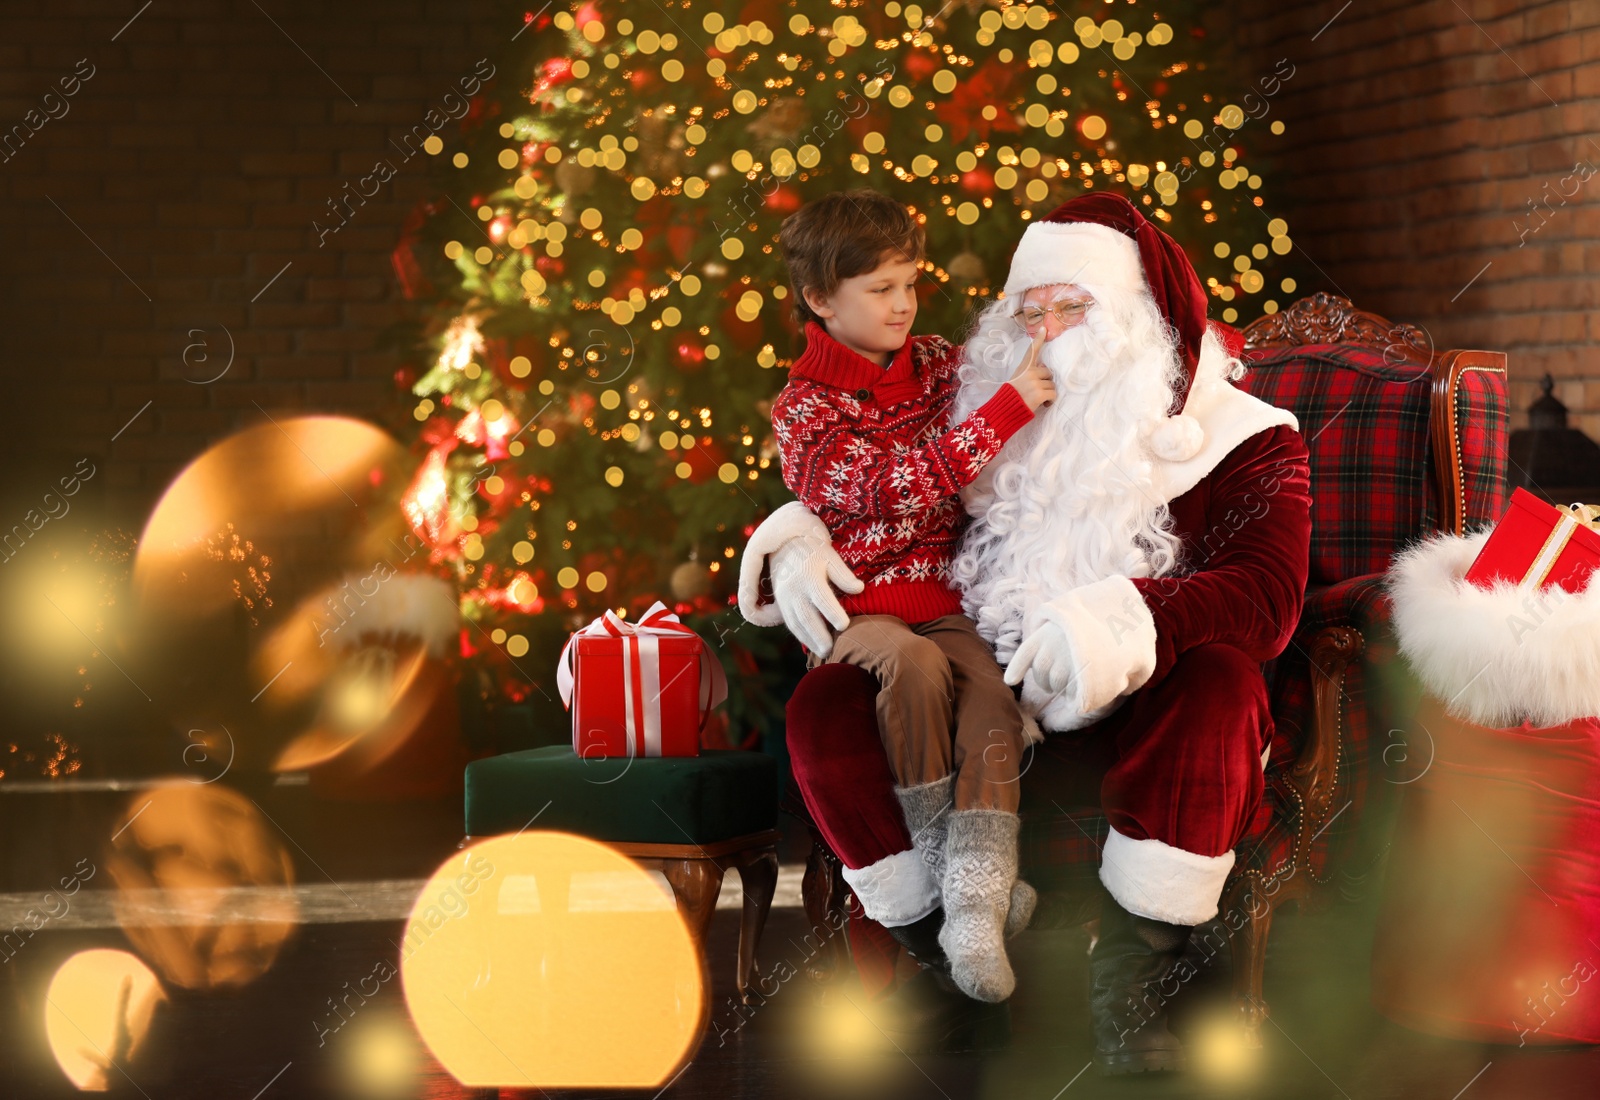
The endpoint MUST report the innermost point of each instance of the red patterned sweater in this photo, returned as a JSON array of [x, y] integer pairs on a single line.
[[870, 451]]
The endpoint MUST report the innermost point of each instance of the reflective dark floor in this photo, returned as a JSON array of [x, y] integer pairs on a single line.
[[280, 1034]]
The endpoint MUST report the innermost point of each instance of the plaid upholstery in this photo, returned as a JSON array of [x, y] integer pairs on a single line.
[[1365, 422]]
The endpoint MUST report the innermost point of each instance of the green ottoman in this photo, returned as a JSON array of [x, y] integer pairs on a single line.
[[689, 817]]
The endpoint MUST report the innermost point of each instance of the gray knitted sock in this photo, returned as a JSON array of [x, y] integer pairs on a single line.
[[1024, 899], [980, 871], [926, 807]]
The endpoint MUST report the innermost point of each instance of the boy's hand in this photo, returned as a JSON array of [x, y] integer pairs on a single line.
[[1033, 380]]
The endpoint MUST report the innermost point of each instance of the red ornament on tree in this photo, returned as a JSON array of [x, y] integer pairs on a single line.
[[979, 181], [691, 353], [706, 458], [743, 335], [988, 86], [784, 200], [921, 64]]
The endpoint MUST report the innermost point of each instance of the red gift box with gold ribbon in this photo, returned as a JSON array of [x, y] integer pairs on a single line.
[[1537, 545], [639, 689]]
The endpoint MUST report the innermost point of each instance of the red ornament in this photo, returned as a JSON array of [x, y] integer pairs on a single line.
[[549, 265], [634, 279], [481, 110], [921, 64], [691, 353], [706, 457], [979, 181], [557, 71], [405, 378], [642, 79], [743, 335], [784, 200], [664, 223], [962, 112]]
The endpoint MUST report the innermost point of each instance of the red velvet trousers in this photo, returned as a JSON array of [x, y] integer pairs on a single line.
[[1179, 762]]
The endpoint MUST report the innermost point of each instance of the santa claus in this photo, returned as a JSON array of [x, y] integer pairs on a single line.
[[1135, 554]]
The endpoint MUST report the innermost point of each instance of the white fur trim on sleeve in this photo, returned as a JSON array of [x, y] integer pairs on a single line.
[[1497, 656], [793, 520], [1155, 880], [1113, 639], [896, 890]]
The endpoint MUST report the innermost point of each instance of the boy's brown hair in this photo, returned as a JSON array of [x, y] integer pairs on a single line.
[[842, 235]]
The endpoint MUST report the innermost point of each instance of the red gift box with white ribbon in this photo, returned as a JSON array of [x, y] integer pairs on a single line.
[[639, 689], [1537, 545]]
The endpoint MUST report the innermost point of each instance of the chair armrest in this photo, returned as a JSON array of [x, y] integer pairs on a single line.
[[1454, 472], [1361, 602]]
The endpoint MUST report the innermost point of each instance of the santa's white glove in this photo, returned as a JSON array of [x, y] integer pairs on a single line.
[[1047, 655], [803, 570], [1096, 644]]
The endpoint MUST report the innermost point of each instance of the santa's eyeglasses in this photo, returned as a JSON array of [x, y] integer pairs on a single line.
[[1069, 311]]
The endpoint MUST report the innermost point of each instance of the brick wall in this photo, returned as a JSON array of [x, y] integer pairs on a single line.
[[1416, 136], [182, 177]]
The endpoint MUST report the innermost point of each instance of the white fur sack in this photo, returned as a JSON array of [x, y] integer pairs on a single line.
[[1498, 656]]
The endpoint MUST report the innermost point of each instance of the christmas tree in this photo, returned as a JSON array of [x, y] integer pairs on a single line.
[[609, 317]]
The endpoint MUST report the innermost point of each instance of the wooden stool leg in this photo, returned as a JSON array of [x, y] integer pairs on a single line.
[[696, 884], [758, 875]]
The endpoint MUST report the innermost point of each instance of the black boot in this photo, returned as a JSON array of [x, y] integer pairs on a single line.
[[1127, 996], [928, 1012], [920, 938]]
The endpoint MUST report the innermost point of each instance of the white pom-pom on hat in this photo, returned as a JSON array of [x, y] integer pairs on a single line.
[[1177, 438]]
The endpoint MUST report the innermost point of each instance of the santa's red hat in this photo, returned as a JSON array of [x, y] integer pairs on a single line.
[[1103, 240]]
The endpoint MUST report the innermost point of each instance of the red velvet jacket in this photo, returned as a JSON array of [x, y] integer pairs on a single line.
[[1246, 531], [870, 451]]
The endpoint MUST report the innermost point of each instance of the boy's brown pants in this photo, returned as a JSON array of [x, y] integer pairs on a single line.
[[943, 705]]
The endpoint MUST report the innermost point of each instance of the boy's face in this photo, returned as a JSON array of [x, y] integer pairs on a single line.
[[871, 314]]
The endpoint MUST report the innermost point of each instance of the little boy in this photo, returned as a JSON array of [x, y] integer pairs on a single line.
[[863, 428]]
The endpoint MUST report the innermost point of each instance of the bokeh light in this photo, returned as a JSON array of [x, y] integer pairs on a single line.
[[202, 850], [98, 1011], [245, 534], [549, 960], [1220, 1051], [381, 1057]]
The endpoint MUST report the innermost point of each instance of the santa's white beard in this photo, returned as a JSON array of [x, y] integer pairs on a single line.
[[1074, 499]]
